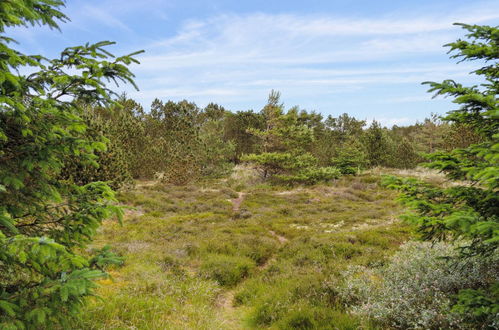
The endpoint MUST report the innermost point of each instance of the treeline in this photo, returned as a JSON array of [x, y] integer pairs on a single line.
[[179, 142]]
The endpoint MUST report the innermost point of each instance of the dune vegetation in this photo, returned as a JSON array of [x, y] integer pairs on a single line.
[[216, 255], [182, 217]]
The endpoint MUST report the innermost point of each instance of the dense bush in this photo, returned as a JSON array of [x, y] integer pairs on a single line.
[[113, 163], [275, 163], [418, 288], [215, 152]]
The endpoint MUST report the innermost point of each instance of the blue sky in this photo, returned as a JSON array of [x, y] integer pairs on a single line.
[[366, 58]]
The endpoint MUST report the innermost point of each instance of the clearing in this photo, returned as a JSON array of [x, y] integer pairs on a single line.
[[219, 255]]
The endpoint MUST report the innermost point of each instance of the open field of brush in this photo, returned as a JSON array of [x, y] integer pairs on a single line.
[[226, 255]]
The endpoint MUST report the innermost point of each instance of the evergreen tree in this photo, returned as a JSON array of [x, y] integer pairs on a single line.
[[285, 141], [351, 157], [45, 221], [113, 163], [378, 145], [405, 155], [345, 126], [237, 128], [216, 154], [467, 211], [173, 131], [431, 134]]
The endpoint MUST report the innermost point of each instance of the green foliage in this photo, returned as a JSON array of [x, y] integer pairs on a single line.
[[480, 305], [113, 162], [45, 220], [273, 163], [174, 131], [105, 257], [417, 287], [405, 155], [126, 131], [215, 152], [285, 141], [469, 208], [334, 135], [282, 132], [226, 270], [379, 147], [351, 158], [175, 142], [237, 128]]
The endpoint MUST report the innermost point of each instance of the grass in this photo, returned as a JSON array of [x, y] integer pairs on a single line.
[[193, 261]]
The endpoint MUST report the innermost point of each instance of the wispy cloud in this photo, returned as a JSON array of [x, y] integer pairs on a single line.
[[229, 57], [102, 16], [363, 64]]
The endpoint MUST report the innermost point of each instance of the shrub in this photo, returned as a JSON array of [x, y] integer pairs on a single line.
[[273, 163], [226, 270], [301, 318], [113, 164], [418, 287], [271, 309], [351, 158]]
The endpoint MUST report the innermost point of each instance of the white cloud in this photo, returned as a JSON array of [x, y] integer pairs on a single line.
[[101, 15], [259, 45], [235, 59]]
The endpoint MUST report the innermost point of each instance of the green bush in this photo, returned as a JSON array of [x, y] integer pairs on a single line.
[[351, 158], [226, 270], [301, 318], [418, 288], [275, 163], [272, 309], [113, 165]]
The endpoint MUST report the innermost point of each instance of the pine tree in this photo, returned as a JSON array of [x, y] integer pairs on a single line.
[[351, 157], [114, 164], [467, 211], [174, 130], [237, 128], [45, 221], [378, 145], [286, 141]]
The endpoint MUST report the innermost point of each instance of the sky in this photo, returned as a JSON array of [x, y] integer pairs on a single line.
[[363, 57]]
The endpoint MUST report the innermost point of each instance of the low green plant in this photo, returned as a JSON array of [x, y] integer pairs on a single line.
[[418, 286], [226, 270]]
